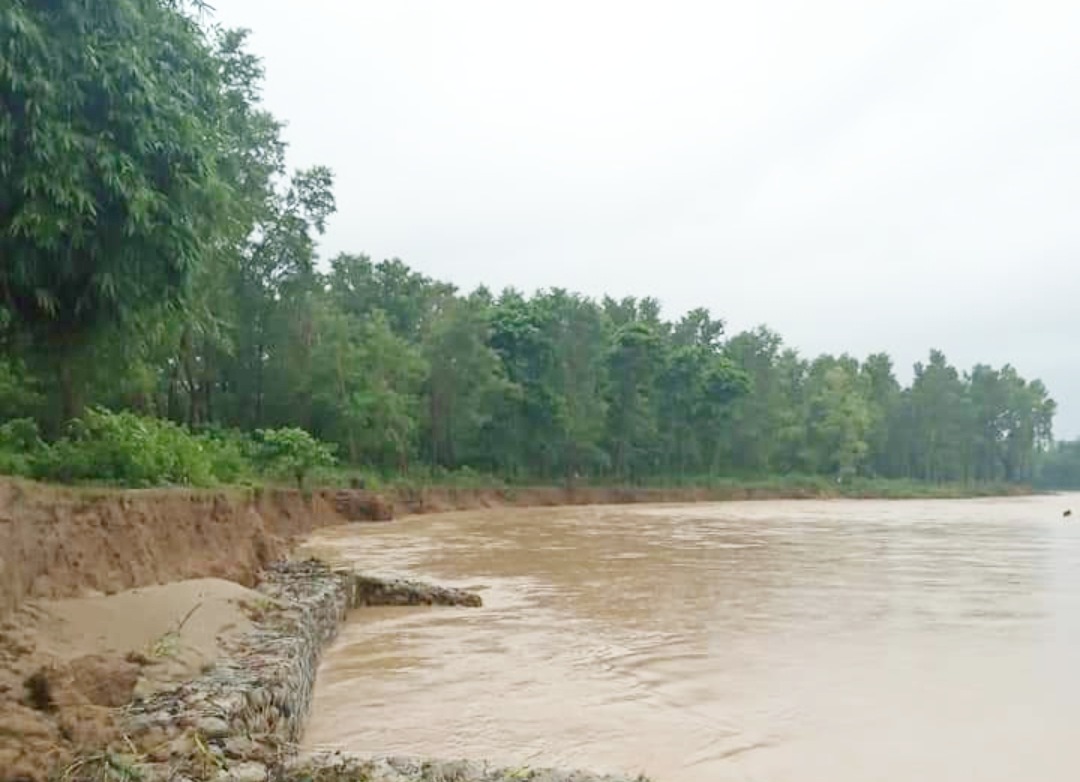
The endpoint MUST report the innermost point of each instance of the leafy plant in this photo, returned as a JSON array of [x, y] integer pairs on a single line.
[[293, 452], [20, 443], [228, 453], [126, 449], [108, 146]]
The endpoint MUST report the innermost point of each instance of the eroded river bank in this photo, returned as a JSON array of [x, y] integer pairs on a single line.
[[840, 640]]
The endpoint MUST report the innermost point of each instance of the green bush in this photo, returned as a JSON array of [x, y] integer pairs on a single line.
[[293, 453], [20, 434], [229, 453], [20, 392], [20, 443], [127, 449]]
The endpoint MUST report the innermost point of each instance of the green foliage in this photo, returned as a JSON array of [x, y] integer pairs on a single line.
[[1059, 467], [20, 394], [126, 449], [130, 450], [365, 387], [109, 193], [466, 384], [20, 444], [229, 455], [292, 452], [160, 261]]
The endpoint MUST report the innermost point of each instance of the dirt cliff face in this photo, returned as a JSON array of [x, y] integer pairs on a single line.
[[57, 543]]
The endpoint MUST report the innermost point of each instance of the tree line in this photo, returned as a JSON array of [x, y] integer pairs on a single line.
[[158, 257]]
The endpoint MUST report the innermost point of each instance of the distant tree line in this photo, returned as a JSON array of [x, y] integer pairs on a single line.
[[157, 257], [1059, 466]]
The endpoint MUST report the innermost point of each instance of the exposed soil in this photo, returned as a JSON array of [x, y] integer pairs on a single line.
[[66, 666], [74, 645], [59, 543], [440, 499]]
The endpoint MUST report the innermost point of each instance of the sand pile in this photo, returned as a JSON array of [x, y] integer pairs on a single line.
[[66, 666]]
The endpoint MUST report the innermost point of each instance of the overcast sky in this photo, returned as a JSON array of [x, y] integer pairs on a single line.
[[860, 176]]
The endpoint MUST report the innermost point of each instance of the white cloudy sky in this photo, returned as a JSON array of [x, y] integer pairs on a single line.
[[860, 176]]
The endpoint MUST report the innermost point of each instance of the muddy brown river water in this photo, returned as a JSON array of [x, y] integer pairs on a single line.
[[793, 641]]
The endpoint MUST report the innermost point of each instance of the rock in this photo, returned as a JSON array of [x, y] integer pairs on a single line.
[[245, 714], [245, 772], [231, 704], [368, 591], [240, 747], [155, 741], [141, 723], [344, 768], [212, 727], [182, 746]]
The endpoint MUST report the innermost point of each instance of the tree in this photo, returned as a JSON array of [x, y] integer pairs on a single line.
[[634, 361], [366, 384], [409, 300], [757, 417], [838, 418], [695, 390], [1059, 466], [274, 275], [522, 335], [882, 392], [466, 383], [1026, 424], [941, 420], [109, 194], [200, 339]]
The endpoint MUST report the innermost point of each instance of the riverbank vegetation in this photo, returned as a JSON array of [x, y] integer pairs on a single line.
[[1059, 467], [159, 262]]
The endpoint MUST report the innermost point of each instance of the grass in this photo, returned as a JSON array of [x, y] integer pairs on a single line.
[[103, 767], [716, 487], [780, 485], [168, 645], [722, 487]]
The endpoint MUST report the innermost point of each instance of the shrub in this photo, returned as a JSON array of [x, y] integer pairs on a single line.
[[229, 453], [20, 434], [292, 452], [127, 449], [130, 450], [20, 443]]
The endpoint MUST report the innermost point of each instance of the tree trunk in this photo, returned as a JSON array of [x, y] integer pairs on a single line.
[[71, 402], [259, 387], [171, 401], [187, 361], [65, 350], [354, 450], [208, 398]]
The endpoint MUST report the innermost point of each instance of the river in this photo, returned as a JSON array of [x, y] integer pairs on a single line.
[[789, 641]]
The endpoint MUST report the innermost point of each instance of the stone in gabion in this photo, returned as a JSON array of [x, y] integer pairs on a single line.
[[252, 704]]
